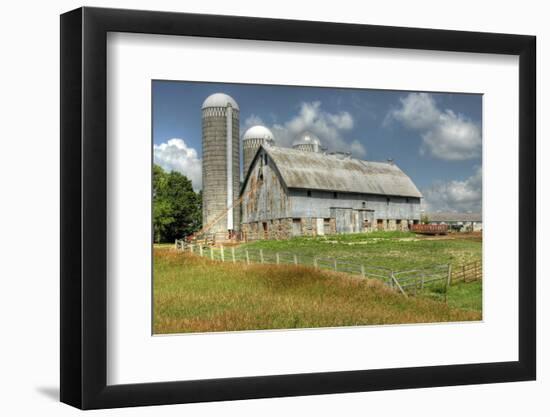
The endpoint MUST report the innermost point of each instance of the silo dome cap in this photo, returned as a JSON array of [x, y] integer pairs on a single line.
[[306, 138], [258, 132], [219, 100]]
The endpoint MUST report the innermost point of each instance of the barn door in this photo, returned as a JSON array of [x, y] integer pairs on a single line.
[[320, 223], [344, 219], [296, 227]]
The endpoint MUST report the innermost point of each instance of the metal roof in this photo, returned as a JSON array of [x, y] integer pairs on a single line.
[[320, 171], [454, 217]]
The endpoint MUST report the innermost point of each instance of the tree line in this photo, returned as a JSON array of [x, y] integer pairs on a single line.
[[177, 208]]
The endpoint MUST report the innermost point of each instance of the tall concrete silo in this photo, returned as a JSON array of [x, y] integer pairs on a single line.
[[308, 142], [253, 138], [220, 164]]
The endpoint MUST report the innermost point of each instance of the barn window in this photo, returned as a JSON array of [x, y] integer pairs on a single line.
[[309, 193], [398, 222], [335, 195], [364, 204], [388, 200]]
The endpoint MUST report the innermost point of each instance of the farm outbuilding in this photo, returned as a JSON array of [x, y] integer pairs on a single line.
[[459, 222], [293, 192]]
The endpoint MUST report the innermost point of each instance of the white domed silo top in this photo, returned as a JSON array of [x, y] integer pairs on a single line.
[[259, 132], [219, 100], [307, 141], [306, 138]]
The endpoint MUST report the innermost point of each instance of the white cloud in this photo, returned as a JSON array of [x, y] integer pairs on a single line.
[[175, 155], [329, 127], [457, 196], [252, 120], [445, 134], [357, 148]]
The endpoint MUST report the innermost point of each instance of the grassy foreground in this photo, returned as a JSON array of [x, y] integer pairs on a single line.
[[193, 294]]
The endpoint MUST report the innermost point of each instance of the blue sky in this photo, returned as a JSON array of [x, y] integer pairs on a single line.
[[434, 137]]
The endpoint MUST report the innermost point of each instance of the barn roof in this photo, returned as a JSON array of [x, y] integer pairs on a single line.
[[320, 171]]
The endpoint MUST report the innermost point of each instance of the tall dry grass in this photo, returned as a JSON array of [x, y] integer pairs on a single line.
[[193, 294]]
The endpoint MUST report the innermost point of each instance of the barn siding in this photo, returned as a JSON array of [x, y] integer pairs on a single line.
[[269, 200], [320, 203]]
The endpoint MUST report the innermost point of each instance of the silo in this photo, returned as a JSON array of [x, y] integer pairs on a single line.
[[220, 164], [308, 142], [253, 138]]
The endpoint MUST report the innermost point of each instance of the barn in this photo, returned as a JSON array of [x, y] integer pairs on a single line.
[[305, 191]]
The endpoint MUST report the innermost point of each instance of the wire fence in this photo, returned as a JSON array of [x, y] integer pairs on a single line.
[[434, 279]]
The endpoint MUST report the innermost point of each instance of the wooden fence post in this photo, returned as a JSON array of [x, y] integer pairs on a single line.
[[221, 253], [247, 258], [448, 281], [261, 256], [191, 248], [277, 258], [233, 254], [200, 250], [335, 264], [212, 252], [449, 275], [176, 244], [394, 281], [363, 271], [480, 270], [295, 259], [315, 262]]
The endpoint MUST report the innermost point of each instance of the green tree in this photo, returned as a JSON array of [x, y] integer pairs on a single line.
[[176, 206]]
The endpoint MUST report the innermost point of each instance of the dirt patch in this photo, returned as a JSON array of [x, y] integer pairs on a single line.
[[475, 236]]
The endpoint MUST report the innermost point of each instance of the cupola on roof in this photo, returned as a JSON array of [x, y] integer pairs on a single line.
[[306, 138]]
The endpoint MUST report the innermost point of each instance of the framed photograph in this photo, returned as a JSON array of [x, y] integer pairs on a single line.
[[257, 208]]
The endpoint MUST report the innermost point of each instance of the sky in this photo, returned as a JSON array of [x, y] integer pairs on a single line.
[[435, 138]]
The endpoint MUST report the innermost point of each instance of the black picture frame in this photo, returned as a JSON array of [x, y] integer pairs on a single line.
[[84, 207]]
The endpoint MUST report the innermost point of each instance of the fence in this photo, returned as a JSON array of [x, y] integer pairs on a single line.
[[408, 282], [415, 280], [472, 271]]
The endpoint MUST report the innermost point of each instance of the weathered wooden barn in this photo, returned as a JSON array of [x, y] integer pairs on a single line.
[[292, 192]]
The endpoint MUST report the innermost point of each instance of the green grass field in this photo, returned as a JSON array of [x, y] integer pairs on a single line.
[[395, 250], [193, 294]]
